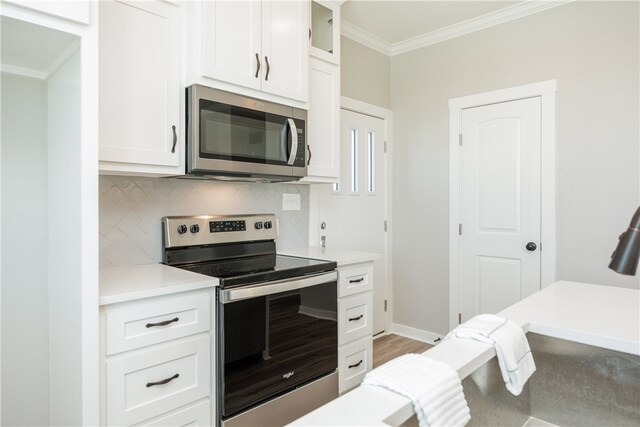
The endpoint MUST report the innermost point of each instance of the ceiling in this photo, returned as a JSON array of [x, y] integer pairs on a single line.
[[394, 21]]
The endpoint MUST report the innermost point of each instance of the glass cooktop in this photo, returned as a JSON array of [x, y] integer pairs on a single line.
[[258, 269]]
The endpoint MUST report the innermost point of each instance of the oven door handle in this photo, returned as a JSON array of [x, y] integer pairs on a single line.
[[237, 294]]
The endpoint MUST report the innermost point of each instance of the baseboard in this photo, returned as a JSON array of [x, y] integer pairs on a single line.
[[415, 334]]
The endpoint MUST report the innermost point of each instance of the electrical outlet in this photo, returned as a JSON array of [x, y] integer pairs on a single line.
[[290, 202]]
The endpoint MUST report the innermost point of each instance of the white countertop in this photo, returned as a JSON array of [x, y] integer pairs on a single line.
[[340, 256], [128, 283], [602, 316]]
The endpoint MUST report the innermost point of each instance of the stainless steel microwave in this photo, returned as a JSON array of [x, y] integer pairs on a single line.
[[233, 137]]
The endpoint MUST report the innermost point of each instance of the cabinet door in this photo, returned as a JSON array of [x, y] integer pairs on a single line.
[[285, 48], [140, 83], [231, 49], [324, 120]]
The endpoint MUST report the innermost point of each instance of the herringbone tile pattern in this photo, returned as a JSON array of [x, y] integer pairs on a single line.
[[131, 209]]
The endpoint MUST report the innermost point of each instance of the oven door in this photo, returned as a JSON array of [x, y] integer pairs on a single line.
[[235, 134], [275, 337]]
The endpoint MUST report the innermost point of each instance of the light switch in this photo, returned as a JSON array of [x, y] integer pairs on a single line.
[[290, 202]]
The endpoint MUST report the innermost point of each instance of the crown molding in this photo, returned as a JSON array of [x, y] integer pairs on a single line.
[[353, 32], [510, 13]]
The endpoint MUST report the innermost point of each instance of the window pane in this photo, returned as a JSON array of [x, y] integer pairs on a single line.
[[372, 163], [354, 160]]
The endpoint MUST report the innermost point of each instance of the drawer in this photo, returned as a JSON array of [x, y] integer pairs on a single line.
[[353, 280], [198, 415], [136, 385], [354, 361], [142, 324], [355, 317]]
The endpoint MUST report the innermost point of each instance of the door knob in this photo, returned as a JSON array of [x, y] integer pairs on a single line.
[[531, 246]]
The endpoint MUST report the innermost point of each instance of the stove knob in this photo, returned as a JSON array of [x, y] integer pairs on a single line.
[[182, 229], [267, 224], [258, 225], [194, 228]]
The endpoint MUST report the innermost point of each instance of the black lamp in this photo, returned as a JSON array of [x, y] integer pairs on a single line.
[[625, 258]]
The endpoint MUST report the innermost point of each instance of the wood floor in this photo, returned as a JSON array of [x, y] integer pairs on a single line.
[[391, 346]]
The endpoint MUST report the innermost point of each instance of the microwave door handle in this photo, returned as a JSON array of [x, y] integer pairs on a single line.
[[294, 141], [283, 141]]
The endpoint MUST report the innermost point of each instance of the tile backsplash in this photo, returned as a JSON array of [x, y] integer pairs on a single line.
[[131, 209]]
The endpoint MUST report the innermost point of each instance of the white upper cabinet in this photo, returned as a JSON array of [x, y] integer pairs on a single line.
[[325, 30], [140, 87], [323, 122], [262, 45], [231, 41]]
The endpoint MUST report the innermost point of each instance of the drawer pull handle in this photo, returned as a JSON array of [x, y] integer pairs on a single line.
[[355, 365], [163, 323], [161, 382], [357, 280], [353, 319]]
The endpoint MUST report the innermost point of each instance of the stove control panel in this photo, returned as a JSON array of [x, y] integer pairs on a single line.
[[181, 231], [221, 226]]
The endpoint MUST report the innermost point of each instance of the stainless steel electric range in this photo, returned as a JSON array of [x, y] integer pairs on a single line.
[[276, 317]]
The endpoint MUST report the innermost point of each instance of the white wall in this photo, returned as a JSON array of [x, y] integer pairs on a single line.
[[592, 49], [64, 267], [131, 210], [25, 330], [364, 73]]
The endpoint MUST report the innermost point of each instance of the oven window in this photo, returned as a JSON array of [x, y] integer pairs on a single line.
[[235, 133], [273, 344]]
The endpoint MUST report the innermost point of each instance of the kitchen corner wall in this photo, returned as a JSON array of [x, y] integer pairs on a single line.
[[131, 209], [591, 50]]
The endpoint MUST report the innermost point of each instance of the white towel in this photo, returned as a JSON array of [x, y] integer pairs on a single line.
[[433, 387], [512, 348]]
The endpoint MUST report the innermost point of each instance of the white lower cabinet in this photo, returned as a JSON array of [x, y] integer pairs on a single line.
[[156, 357], [355, 324], [354, 361], [197, 415]]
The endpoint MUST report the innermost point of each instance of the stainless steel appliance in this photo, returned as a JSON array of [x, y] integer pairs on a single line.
[[234, 137], [277, 349]]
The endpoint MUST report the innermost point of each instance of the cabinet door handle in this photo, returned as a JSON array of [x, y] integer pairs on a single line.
[[161, 382], [355, 365], [258, 62], [357, 280], [175, 139], [353, 319], [163, 323], [266, 60], [309, 159]]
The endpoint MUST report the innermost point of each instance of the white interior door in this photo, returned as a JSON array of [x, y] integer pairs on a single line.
[[499, 205], [354, 209]]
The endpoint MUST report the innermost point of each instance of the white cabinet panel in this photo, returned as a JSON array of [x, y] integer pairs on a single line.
[[354, 280], [153, 381], [231, 41], [147, 323], [198, 415], [354, 361], [260, 45], [140, 86], [324, 121], [355, 317], [285, 48]]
